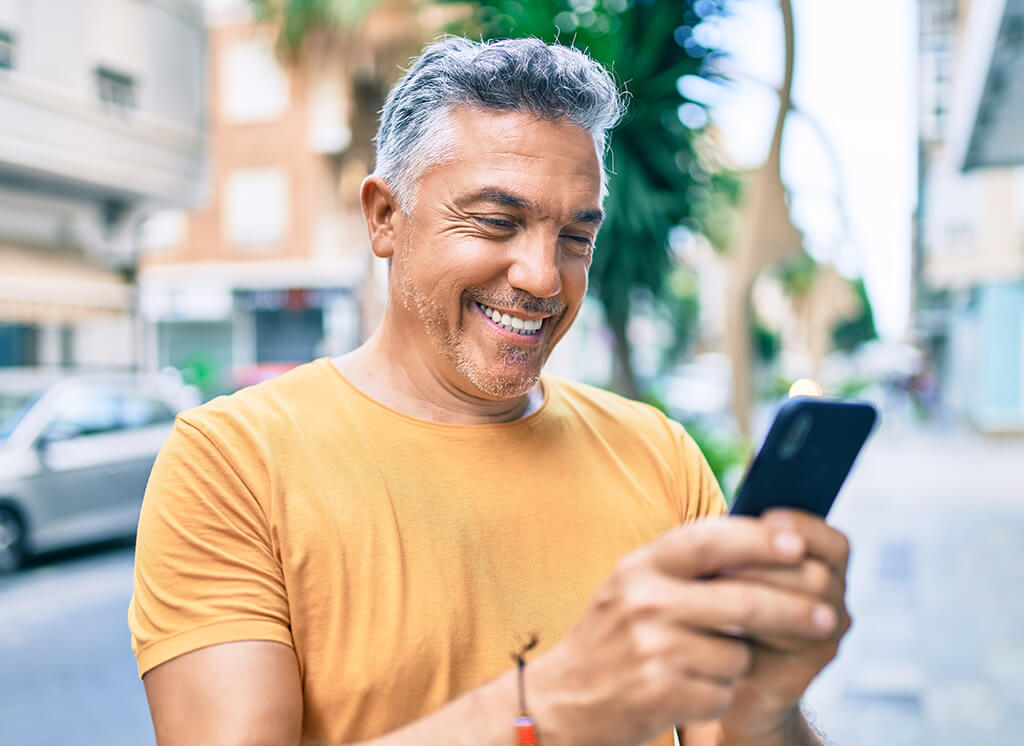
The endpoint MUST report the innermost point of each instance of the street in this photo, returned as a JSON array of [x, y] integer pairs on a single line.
[[936, 655], [68, 675]]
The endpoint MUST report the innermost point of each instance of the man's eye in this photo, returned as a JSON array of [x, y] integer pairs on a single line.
[[582, 243], [497, 223]]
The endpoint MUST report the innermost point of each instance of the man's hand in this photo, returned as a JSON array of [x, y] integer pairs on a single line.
[[667, 638], [783, 666]]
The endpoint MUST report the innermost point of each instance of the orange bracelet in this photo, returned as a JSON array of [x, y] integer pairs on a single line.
[[526, 729]]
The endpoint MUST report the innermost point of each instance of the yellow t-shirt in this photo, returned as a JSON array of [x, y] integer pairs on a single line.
[[401, 559]]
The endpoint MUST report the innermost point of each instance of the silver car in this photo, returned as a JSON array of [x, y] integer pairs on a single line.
[[75, 454]]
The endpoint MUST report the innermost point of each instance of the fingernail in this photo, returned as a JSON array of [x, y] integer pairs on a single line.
[[824, 618], [788, 543]]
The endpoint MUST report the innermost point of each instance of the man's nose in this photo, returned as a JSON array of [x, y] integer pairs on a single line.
[[534, 268]]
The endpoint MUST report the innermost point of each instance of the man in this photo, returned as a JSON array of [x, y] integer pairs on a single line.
[[350, 553]]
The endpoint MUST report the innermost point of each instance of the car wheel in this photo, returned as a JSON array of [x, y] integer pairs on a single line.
[[12, 541]]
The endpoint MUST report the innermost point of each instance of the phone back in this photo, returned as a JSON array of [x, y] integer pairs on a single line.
[[806, 456]]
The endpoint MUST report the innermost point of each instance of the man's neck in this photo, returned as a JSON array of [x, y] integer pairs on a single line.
[[411, 388]]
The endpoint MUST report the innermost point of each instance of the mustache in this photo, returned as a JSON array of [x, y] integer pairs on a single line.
[[517, 299]]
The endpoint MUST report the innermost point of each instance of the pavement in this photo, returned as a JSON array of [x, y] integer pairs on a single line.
[[935, 657], [936, 654]]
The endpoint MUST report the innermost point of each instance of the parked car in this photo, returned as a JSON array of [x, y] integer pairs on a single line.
[[75, 454]]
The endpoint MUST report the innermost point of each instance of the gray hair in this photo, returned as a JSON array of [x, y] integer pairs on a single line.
[[550, 81]]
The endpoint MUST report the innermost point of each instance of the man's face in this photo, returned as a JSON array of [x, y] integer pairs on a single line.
[[490, 267]]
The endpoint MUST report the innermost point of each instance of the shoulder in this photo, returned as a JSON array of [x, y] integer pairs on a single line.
[[265, 408], [644, 438], [609, 409]]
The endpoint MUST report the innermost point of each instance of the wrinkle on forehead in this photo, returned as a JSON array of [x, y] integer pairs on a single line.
[[507, 141]]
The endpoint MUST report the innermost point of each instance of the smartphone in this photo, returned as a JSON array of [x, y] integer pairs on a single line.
[[806, 456]]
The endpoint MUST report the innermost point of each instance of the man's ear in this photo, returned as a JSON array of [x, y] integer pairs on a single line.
[[381, 210]]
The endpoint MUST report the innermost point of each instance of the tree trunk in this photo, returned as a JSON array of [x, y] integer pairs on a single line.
[[623, 378], [766, 235]]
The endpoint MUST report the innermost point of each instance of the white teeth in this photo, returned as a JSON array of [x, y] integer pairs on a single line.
[[512, 323]]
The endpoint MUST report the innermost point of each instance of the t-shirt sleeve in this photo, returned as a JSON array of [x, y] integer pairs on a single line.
[[700, 494], [205, 569]]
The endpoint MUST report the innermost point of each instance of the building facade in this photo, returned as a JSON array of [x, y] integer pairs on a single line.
[[102, 122], [272, 270], [970, 256]]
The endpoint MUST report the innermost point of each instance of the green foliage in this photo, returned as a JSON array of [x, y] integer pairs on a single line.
[[299, 18], [681, 306], [851, 333], [766, 342], [797, 274], [852, 388], [726, 455]]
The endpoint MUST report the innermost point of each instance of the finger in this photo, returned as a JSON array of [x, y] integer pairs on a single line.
[[822, 540], [795, 645], [706, 547], [812, 577], [711, 656], [755, 610]]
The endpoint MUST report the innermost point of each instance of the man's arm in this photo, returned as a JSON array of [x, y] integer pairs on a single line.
[[648, 652]]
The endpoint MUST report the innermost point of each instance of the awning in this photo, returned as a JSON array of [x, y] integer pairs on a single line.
[[47, 286], [987, 105]]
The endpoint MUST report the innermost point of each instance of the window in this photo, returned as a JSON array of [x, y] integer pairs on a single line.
[[253, 86], [256, 207], [141, 411], [84, 411], [7, 44], [115, 89]]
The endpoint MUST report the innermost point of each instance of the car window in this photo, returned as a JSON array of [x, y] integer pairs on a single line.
[[86, 410], [14, 405], [138, 410]]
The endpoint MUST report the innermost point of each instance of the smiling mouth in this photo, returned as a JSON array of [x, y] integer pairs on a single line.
[[514, 324]]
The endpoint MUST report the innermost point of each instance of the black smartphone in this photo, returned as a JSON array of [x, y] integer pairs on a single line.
[[806, 456]]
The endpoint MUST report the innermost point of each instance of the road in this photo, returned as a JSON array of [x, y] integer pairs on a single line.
[[936, 655], [68, 674]]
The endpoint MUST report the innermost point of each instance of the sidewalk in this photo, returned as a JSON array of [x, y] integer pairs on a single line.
[[936, 655]]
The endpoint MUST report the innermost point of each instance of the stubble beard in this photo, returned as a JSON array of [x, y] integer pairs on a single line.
[[517, 371]]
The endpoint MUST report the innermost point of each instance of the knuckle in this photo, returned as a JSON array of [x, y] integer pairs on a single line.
[[653, 675], [639, 601], [647, 646], [743, 607], [818, 578]]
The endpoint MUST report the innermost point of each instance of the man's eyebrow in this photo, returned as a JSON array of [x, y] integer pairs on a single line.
[[498, 196], [594, 217]]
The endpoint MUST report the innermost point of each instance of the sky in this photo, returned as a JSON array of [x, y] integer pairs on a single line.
[[853, 142]]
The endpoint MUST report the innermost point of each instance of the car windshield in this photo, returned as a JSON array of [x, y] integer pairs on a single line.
[[14, 405]]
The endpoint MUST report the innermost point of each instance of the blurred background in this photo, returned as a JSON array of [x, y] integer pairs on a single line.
[[802, 189]]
